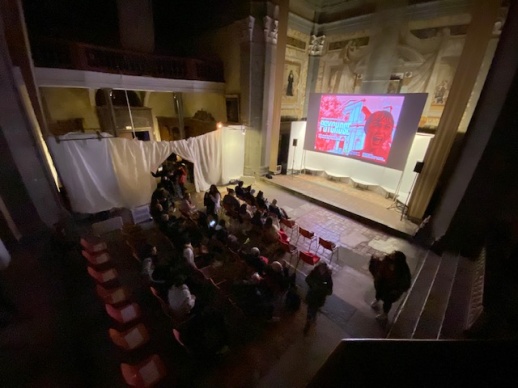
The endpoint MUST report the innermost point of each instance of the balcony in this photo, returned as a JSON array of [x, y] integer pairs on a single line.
[[60, 54]]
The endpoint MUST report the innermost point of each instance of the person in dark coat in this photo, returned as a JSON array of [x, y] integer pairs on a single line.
[[320, 287], [391, 279]]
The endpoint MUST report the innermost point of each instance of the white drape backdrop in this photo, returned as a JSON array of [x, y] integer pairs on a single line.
[[115, 172]]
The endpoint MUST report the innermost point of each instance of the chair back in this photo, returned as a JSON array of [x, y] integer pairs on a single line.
[[103, 277], [288, 223], [308, 257], [124, 314], [146, 374], [306, 233], [177, 337], [130, 339], [114, 296], [97, 258], [326, 244]]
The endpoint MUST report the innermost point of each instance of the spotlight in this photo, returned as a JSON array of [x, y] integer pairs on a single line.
[[219, 125]]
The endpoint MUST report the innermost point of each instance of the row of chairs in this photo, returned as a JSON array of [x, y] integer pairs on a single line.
[[119, 307], [307, 235]]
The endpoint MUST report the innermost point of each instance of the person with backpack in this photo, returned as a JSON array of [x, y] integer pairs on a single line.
[[391, 279]]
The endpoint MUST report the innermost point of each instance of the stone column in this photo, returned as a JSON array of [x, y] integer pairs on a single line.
[[252, 82], [478, 36], [136, 28], [315, 51], [271, 27], [387, 24], [282, 35]]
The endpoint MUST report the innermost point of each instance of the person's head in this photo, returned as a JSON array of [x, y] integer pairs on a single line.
[[260, 194], [222, 223], [268, 223], [164, 217], [179, 280], [231, 192], [240, 183], [274, 202], [242, 208], [162, 195], [187, 196], [276, 266], [187, 242], [255, 252], [378, 130], [323, 268], [397, 257]]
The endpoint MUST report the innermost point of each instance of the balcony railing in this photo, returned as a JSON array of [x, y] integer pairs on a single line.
[[80, 56]]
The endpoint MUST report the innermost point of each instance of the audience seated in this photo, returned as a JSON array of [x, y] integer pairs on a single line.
[[279, 212], [230, 202], [187, 208], [255, 260], [213, 200], [181, 301]]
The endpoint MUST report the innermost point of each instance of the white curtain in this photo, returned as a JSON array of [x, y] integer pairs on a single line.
[[115, 172], [86, 171]]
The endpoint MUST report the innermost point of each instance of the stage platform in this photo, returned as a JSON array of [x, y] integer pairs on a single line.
[[369, 207]]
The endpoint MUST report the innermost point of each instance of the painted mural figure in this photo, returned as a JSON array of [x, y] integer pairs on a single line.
[[289, 88]]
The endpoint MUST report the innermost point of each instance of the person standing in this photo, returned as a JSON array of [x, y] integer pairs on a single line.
[[391, 279], [320, 287]]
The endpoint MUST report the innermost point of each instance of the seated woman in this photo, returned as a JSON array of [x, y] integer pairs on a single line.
[[213, 202], [180, 299], [187, 208], [261, 202]]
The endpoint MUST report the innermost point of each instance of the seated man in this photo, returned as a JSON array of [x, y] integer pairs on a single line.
[[255, 260], [243, 192], [181, 301], [279, 212], [230, 202]]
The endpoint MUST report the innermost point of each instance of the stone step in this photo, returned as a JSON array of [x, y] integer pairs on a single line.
[[410, 309], [432, 315]]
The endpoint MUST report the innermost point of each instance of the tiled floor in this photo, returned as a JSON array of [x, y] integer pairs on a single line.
[[43, 337]]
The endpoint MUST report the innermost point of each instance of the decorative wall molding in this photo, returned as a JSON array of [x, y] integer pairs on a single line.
[[271, 29], [423, 11], [316, 45]]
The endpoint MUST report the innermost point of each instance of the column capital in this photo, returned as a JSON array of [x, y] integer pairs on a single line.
[[247, 28], [316, 45], [271, 29]]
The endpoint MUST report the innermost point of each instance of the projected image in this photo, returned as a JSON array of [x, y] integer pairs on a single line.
[[362, 127]]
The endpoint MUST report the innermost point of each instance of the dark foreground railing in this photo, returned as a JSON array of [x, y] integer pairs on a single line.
[[420, 363], [80, 56]]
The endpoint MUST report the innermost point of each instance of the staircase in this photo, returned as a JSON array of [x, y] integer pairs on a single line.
[[444, 300]]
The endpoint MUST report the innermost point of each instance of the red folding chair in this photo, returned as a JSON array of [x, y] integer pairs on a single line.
[[289, 248], [145, 374], [130, 339], [308, 258], [328, 245], [288, 224], [308, 235]]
